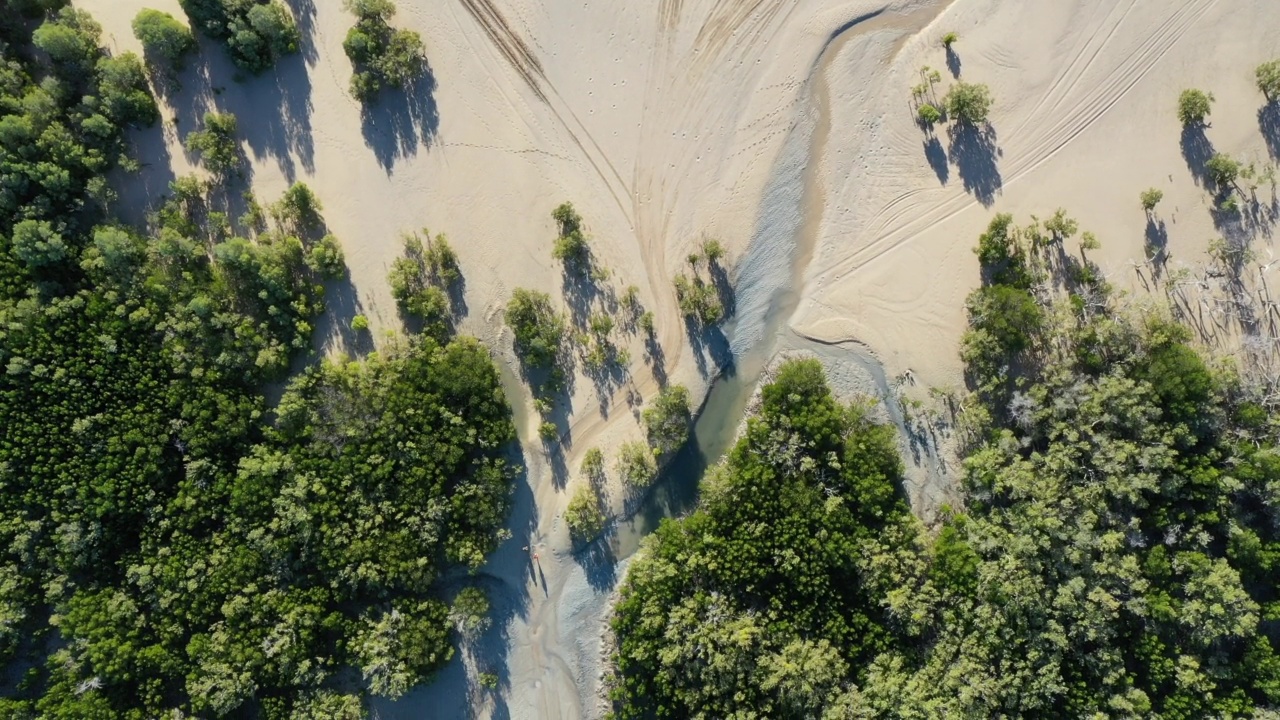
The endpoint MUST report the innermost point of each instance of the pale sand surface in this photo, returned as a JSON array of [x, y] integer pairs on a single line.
[[783, 128]]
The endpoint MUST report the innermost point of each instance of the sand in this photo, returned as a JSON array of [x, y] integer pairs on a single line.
[[782, 128]]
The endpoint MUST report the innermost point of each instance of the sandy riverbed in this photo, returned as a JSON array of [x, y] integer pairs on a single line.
[[783, 128]]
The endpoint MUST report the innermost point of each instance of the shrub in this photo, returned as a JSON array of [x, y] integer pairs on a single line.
[[1223, 169], [360, 323], [647, 323], [1061, 225], [929, 115], [1194, 106], [949, 39], [216, 144], [298, 210], [256, 34], [667, 419], [470, 613], [1268, 77], [571, 244], [583, 515], [164, 39], [1150, 198], [593, 465], [698, 300], [71, 39], [538, 329], [713, 251], [636, 466], [122, 85], [380, 55], [968, 103], [326, 258], [549, 432]]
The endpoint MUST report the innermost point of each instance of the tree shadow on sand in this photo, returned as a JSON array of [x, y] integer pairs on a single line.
[[1269, 124], [953, 62], [975, 154], [273, 110], [397, 123], [1196, 151], [936, 155]]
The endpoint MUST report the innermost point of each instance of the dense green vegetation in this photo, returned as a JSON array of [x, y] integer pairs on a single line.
[[380, 55], [757, 604], [166, 42], [169, 545], [1115, 558], [257, 33], [423, 281]]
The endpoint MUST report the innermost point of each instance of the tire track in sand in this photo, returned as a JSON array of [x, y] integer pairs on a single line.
[[525, 63], [1046, 143]]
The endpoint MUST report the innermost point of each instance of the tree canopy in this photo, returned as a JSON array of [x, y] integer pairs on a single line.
[[170, 544]]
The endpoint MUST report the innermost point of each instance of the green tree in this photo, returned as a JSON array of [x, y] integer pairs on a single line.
[[1268, 79], [538, 329], [164, 39], [216, 144], [1194, 106], [635, 465], [968, 103], [1150, 198], [667, 419], [380, 55], [583, 514]]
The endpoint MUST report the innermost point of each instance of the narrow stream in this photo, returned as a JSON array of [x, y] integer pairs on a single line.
[[786, 232]]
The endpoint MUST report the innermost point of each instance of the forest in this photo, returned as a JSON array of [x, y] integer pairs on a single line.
[[1115, 557], [171, 544]]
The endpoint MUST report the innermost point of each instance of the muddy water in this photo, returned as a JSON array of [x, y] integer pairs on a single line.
[[787, 232]]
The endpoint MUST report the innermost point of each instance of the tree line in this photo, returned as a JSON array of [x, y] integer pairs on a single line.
[[1115, 554], [171, 544]]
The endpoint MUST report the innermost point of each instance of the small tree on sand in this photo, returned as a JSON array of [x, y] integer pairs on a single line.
[[968, 103], [1268, 75], [1150, 198], [1194, 106]]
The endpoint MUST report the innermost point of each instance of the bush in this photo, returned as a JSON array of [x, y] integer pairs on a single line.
[[326, 258], [257, 34], [380, 56], [538, 330], [1194, 106], [636, 466], [298, 210], [164, 39], [122, 86], [699, 300], [929, 115], [583, 515], [1150, 198], [421, 280], [667, 419], [949, 39], [360, 323], [593, 465], [1223, 169], [1268, 77], [968, 103], [470, 613], [71, 38], [216, 144]]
